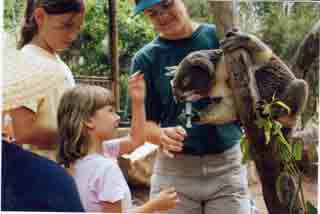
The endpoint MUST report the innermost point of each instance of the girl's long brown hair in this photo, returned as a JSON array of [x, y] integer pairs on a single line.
[[76, 106], [54, 7]]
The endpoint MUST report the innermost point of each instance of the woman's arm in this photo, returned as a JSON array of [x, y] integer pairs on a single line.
[[153, 133], [28, 131]]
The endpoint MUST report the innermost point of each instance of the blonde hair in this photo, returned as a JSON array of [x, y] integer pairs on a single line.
[[76, 106]]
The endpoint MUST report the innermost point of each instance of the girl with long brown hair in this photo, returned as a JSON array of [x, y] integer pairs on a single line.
[[49, 26]]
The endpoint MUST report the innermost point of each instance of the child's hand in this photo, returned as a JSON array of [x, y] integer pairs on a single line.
[[167, 199], [136, 87]]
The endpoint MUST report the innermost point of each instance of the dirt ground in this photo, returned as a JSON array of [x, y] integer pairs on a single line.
[[310, 186]]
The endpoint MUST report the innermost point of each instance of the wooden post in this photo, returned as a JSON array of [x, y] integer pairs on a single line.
[[224, 14], [113, 45]]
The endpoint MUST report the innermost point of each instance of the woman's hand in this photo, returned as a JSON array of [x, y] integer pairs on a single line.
[[171, 139], [136, 87]]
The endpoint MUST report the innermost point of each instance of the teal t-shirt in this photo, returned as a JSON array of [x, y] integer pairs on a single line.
[[153, 60]]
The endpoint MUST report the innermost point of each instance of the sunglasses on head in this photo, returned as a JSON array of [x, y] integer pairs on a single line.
[[166, 3], [163, 6]]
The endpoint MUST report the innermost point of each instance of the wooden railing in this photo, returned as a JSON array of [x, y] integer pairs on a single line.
[[105, 82]]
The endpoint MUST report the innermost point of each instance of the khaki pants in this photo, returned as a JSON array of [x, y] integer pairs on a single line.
[[211, 184]]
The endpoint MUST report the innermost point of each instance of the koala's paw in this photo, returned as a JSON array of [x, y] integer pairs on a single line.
[[236, 40], [260, 53]]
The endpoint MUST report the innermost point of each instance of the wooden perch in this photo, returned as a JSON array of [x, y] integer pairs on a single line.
[[265, 156]]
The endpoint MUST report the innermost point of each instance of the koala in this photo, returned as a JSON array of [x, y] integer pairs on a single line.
[[203, 74]]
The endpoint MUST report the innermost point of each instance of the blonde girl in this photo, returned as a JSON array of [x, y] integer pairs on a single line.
[[86, 119]]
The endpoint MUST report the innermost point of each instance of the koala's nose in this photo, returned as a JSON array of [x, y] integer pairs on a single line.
[[232, 32]]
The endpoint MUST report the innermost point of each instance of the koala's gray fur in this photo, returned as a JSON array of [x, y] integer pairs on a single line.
[[203, 74]]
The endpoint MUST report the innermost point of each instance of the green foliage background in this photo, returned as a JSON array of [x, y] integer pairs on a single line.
[[281, 25]]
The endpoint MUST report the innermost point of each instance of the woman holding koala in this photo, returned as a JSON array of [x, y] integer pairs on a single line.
[[203, 162]]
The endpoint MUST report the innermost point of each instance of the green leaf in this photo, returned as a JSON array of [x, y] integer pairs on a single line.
[[283, 105], [267, 131], [267, 135], [283, 141], [260, 122], [277, 128], [312, 152], [267, 109], [297, 151], [311, 209], [268, 125], [279, 187], [245, 149]]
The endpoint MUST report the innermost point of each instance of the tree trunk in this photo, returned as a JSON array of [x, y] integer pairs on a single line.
[[305, 65], [265, 156], [222, 16], [307, 53]]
